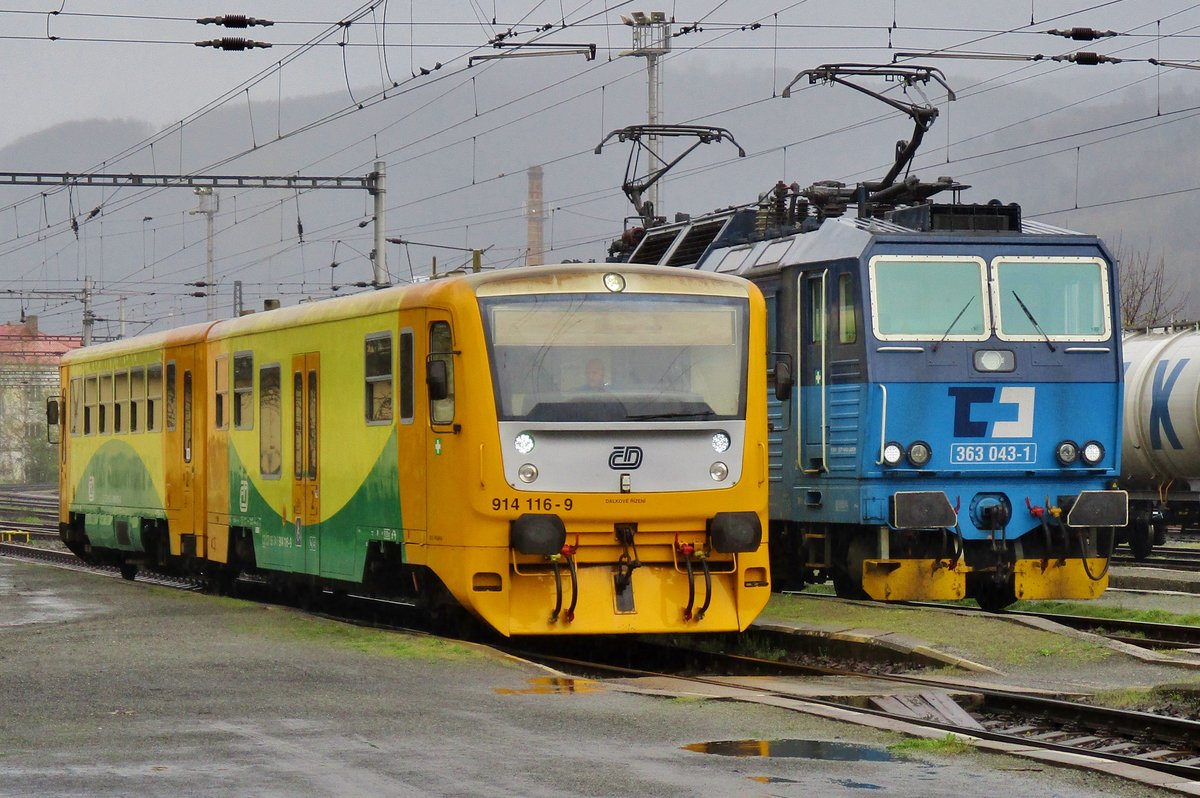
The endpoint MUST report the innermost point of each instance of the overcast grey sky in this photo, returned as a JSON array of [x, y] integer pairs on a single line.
[[457, 141]]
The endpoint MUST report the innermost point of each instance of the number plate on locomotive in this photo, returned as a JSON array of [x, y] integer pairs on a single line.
[[993, 453]]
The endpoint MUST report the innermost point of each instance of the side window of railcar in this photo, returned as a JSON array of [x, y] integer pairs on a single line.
[[91, 402], [243, 391], [221, 392], [121, 401], [106, 402], [298, 422], [378, 370], [441, 347], [170, 400], [154, 400], [76, 405], [847, 328], [137, 398], [187, 416], [270, 419], [406, 376]]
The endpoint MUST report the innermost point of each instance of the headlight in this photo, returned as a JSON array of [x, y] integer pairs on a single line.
[[1092, 452], [1067, 452], [718, 471], [919, 453], [893, 453], [995, 360], [720, 442], [527, 472], [523, 443], [614, 282]]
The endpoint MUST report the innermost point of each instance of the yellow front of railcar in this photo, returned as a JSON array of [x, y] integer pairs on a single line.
[[596, 461]]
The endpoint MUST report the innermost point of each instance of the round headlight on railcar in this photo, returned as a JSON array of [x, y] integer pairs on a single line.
[[893, 453], [614, 282], [995, 360], [1092, 452], [1067, 452], [919, 453], [527, 473], [523, 443], [718, 471], [720, 442]]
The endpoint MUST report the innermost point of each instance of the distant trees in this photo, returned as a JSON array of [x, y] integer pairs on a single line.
[[1150, 297]]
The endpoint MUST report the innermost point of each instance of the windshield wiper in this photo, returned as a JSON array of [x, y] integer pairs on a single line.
[[946, 334], [698, 415], [1033, 321]]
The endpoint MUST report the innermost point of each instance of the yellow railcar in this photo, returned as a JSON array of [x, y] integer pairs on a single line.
[[564, 449]]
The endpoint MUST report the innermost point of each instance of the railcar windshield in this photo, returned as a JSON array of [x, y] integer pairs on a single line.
[[936, 298], [617, 357], [1054, 298]]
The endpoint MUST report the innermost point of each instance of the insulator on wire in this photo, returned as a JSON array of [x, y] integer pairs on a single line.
[[1085, 58], [232, 43], [1082, 34], [235, 21]]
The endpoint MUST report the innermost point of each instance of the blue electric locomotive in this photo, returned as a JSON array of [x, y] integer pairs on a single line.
[[954, 427]]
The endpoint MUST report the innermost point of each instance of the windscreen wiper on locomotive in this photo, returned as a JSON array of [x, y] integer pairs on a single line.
[[946, 334], [1034, 322]]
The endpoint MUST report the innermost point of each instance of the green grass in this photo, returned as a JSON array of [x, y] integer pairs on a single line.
[[1183, 698], [1102, 611], [948, 745], [991, 640]]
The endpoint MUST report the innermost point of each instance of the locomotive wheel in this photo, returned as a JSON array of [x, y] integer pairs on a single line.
[[128, 571], [992, 596]]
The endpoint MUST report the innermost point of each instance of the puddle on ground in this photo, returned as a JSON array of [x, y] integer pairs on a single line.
[[795, 749], [552, 685], [25, 607]]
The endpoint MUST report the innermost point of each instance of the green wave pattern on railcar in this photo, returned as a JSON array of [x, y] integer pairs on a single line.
[[116, 487], [335, 548]]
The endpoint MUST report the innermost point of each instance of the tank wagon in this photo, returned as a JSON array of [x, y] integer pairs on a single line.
[[441, 442], [1161, 433]]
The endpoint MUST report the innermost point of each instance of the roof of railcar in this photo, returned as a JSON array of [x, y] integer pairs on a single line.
[[142, 343]]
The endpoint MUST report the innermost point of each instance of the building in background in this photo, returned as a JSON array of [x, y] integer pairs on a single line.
[[28, 374]]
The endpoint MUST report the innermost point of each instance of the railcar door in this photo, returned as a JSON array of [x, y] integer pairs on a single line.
[[306, 436], [813, 334], [185, 436], [411, 429]]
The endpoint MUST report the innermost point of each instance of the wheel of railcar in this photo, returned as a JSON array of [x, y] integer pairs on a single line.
[[1141, 536], [1160, 532], [846, 586], [129, 571]]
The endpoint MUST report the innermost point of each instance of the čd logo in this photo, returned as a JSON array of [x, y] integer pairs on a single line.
[[625, 458]]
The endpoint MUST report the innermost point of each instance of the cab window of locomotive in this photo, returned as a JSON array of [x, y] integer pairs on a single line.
[[816, 316], [154, 392], [120, 401], [617, 357], [406, 377], [106, 401], [137, 398], [76, 405], [90, 405], [847, 326], [221, 392], [927, 298], [270, 418], [441, 411], [378, 369], [243, 391], [169, 404], [1066, 299]]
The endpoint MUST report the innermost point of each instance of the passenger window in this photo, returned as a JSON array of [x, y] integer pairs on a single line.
[[91, 405], [76, 400], [441, 348], [298, 422], [221, 392], [106, 401], [406, 376], [847, 327], [154, 401], [270, 419], [170, 401], [312, 424], [121, 401], [187, 416], [378, 367], [137, 398], [243, 391]]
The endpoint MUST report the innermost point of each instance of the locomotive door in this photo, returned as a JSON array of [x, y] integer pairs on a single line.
[[813, 334], [306, 486]]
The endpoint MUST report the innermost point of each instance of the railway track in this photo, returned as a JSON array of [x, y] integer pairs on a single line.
[[1159, 743]]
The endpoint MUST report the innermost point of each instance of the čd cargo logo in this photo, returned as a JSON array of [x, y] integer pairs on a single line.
[[980, 413], [625, 458]]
